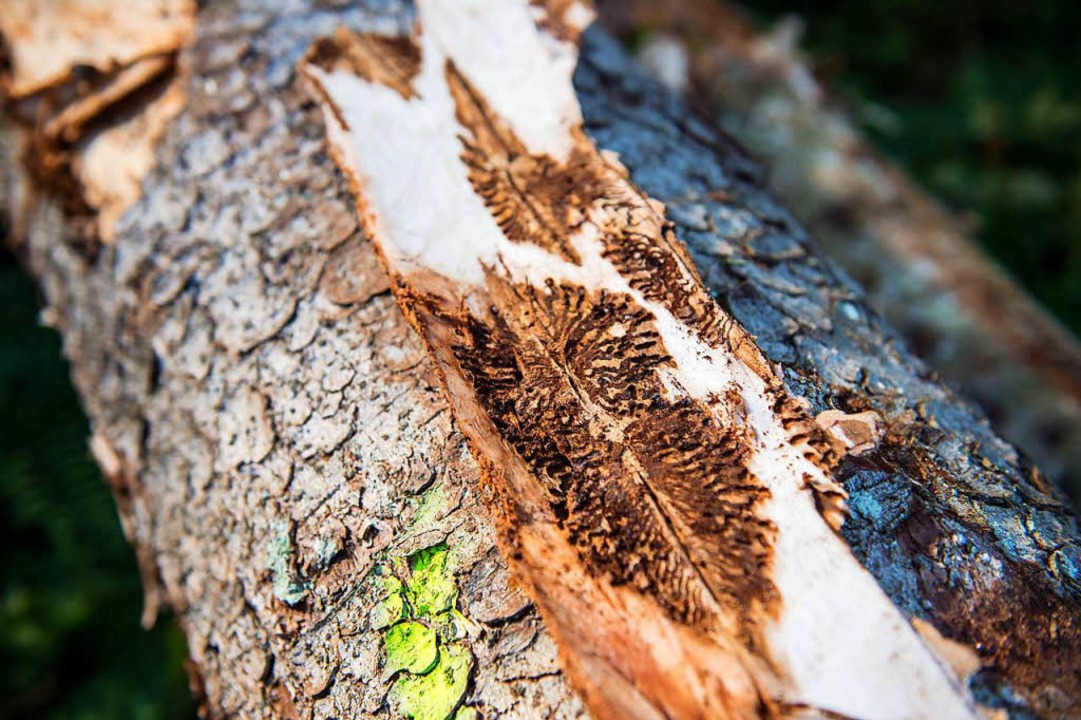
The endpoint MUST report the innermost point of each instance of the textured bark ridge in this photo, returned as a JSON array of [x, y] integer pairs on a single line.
[[288, 472], [664, 499]]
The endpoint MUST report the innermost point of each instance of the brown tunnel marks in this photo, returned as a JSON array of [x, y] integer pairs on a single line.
[[652, 491], [388, 60], [535, 199], [651, 478], [532, 198]]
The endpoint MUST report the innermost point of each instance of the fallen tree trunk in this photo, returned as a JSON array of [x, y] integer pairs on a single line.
[[295, 487]]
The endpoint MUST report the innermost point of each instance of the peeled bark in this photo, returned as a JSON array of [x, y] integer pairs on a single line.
[[298, 494]]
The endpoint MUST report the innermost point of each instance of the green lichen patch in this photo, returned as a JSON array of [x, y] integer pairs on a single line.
[[388, 581], [431, 588], [391, 608], [411, 646], [424, 639], [467, 713], [435, 695], [432, 504]]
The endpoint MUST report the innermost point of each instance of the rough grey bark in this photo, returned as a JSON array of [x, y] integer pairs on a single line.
[[273, 432], [268, 422]]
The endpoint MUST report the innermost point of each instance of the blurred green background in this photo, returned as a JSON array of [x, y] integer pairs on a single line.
[[979, 100], [70, 595]]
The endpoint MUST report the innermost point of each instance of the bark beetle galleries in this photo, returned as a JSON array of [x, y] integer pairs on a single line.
[[571, 380], [631, 432], [390, 61], [531, 197]]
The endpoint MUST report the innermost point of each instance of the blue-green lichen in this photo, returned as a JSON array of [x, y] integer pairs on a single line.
[[288, 588], [424, 638]]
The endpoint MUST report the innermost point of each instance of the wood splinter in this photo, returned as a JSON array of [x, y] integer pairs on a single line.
[[663, 499]]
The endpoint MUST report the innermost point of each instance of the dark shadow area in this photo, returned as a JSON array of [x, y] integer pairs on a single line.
[[70, 595]]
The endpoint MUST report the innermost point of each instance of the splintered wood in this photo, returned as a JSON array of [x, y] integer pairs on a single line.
[[662, 498], [94, 81]]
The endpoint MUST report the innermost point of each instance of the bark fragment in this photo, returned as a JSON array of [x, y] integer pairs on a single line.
[[47, 40], [95, 83], [855, 434]]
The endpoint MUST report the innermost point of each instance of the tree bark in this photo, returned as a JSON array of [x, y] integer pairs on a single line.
[[288, 471]]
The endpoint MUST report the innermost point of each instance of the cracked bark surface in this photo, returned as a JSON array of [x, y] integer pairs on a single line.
[[252, 386]]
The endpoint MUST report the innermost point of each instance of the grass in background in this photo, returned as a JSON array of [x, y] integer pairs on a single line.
[[980, 101], [70, 596]]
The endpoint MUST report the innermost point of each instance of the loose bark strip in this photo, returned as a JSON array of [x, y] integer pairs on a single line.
[[47, 38], [664, 500]]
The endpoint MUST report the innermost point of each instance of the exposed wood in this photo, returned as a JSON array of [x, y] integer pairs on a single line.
[[634, 438], [961, 311], [282, 455]]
